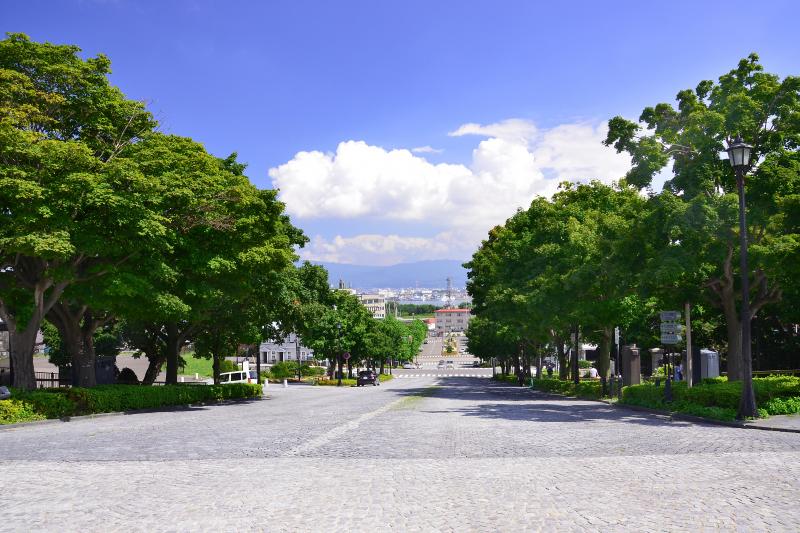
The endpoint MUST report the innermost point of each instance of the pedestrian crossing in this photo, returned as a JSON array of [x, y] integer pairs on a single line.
[[436, 375]]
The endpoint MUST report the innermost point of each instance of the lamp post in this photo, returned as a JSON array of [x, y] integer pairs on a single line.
[[338, 355], [739, 157], [297, 356]]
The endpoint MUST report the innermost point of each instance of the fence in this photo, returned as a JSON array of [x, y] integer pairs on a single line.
[[47, 380]]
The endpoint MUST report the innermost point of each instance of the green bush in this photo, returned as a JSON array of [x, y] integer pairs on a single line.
[[227, 366], [14, 411], [283, 370], [719, 397], [334, 382], [60, 403], [584, 389], [584, 363]]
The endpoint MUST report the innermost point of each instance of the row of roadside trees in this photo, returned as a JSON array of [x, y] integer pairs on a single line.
[[599, 256], [106, 220]]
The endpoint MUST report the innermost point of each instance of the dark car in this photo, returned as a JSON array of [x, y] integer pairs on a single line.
[[367, 377]]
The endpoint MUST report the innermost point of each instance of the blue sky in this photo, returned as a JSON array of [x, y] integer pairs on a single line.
[[328, 100]]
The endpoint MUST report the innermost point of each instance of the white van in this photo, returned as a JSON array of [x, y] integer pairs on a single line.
[[240, 376]]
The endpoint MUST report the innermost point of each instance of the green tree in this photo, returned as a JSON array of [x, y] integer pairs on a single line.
[[763, 109], [70, 203]]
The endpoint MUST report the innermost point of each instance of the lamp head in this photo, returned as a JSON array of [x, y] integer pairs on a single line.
[[739, 154]]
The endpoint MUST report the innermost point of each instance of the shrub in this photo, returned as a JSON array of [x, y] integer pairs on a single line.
[[283, 370], [13, 411], [127, 377], [228, 366], [719, 398], [60, 403], [584, 363], [333, 382]]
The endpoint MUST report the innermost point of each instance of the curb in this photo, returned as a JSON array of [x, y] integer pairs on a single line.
[[166, 408], [671, 415]]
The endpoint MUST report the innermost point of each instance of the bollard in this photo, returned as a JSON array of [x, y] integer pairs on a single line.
[[285, 384], [196, 376], [619, 387]]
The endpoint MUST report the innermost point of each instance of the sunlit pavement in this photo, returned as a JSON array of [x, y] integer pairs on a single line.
[[418, 453]]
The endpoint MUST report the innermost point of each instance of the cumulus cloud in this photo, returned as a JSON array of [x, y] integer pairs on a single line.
[[427, 150], [509, 167], [376, 249]]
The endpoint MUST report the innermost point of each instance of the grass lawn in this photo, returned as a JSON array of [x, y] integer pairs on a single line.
[[196, 366]]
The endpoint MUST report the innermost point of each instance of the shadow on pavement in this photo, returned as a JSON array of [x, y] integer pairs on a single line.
[[539, 407]]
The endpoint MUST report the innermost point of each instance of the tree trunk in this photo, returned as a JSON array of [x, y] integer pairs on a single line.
[[604, 353], [172, 348], [734, 330], [85, 369], [382, 367], [339, 370], [563, 364], [153, 368], [349, 369], [216, 356], [22, 346]]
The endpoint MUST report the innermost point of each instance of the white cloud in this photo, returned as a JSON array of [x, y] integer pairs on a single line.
[[375, 249], [427, 150], [515, 163], [513, 129]]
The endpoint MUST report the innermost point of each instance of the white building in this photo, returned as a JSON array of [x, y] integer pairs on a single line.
[[452, 320], [276, 352], [375, 303]]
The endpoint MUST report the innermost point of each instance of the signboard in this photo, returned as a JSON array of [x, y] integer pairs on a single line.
[[346, 356], [670, 328], [616, 336], [670, 338], [670, 316]]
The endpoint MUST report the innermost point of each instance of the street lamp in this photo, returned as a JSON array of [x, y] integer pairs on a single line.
[[338, 355], [739, 157]]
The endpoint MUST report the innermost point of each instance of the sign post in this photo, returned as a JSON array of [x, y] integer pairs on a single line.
[[670, 335]]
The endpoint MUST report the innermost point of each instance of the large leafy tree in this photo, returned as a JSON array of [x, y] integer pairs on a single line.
[[227, 240], [71, 204], [765, 111]]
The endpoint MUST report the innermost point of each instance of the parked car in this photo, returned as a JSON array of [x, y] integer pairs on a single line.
[[450, 364], [409, 365], [240, 376], [367, 377]]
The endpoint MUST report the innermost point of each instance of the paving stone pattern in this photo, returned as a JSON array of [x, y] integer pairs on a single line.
[[416, 454]]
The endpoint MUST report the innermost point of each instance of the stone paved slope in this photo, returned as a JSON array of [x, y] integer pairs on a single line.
[[417, 454]]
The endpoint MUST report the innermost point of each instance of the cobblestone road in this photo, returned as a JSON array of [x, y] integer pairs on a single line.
[[416, 454]]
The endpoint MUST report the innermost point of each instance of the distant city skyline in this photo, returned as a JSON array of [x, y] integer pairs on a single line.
[[398, 132]]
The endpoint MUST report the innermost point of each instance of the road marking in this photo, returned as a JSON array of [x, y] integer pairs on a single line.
[[338, 431]]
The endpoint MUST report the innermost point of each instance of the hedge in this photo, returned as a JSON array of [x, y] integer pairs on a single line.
[[719, 398], [65, 402], [584, 389]]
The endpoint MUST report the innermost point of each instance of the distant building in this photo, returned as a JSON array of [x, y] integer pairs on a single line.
[[277, 352], [375, 303], [452, 320]]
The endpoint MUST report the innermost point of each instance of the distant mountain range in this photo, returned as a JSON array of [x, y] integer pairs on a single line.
[[423, 274]]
